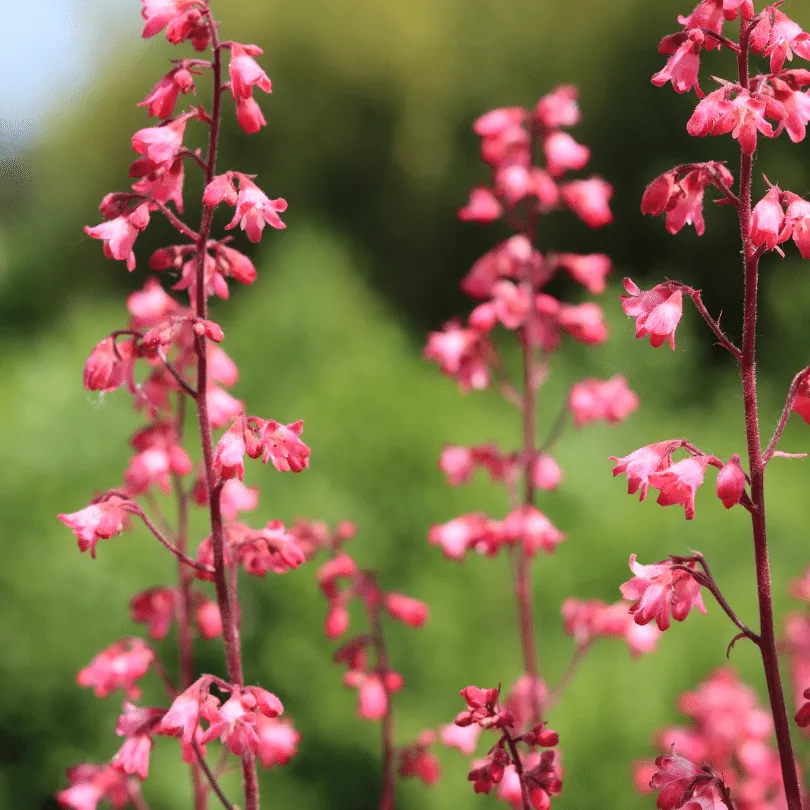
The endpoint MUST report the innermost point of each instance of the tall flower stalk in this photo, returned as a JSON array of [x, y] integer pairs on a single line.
[[184, 368], [747, 105]]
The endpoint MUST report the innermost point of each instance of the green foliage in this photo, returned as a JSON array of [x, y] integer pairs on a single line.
[[376, 418]]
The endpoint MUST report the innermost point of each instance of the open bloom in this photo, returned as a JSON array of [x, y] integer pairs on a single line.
[[643, 463], [657, 311], [679, 483], [98, 521], [592, 400], [683, 64], [119, 234], [589, 199], [768, 220], [254, 209], [119, 666], [660, 590]]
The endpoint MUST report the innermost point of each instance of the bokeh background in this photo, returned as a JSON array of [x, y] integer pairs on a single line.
[[369, 139]]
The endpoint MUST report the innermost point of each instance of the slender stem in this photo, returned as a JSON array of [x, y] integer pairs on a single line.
[[230, 627], [518, 763], [186, 560], [573, 665], [388, 788], [713, 324], [177, 375], [522, 561], [756, 463], [212, 779]]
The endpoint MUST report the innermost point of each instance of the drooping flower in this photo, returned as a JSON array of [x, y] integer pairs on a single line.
[[768, 220], [460, 354], [680, 482], [643, 463], [282, 445], [564, 154], [558, 108], [119, 666], [482, 206], [163, 96], [797, 223], [589, 199], [589, 270], [119, 234], [418, 760], [528, 526], [592, 400], [657, 311], [731, 482], [254, 209], [406, 609], [100, 520], [110, 365], [155, 608], [161, 144], [91, 784], [278, 740], [683, 64], [661, 590]]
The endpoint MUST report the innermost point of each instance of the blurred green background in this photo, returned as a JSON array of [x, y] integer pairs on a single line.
[[369, 140]]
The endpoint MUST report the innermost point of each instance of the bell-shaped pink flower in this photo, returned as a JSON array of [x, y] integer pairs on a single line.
[[209, 619], [406, 609], [731, 482], [661, 590], [464, 738], [119, 666], [683, 64], [244, 71], [482, 206], [155, 608], [584, 322], [119, 234], [460, 354], [418, 760], [786, 38], [98, 521], [251, 119], [110, 365], [160, 144], [546, 473], [657, 311], [674, 778], [558, 108], [278, 741], [589, 270], [679, 483], [643, 463], [594, 400], [283, 446], [91, 784], [157, 14], [768, 220], [460, 534], [797, 223], [530, 527], [372, 697], [589, 199], [183, 717], [564, 154], [254, 208], [229, 455], [162, 98], [707, 14]]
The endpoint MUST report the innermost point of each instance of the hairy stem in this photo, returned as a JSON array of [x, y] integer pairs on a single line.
[[756, 463], [230, 626]]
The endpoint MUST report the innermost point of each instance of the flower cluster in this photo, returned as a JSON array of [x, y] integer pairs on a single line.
[[169, 360], [730, 736]]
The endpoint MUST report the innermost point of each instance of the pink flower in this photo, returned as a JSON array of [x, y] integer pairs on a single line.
[[593, 400], [98, 521], [245, 73], [372, 697], [155, 608], [768, 220], [251, 120], [222, 407], [460, 534], [220, 189], [707, 14], [157, 14], [802, 717], [457, 463], [514, 258], [660, 589], [684, 61], [584, 322], [254, 208], [235, 498], [797, 223], [119, 234], [511, 303], [282, 445], [464, 738], [546, 473], [417, 760], [209, 619], [786, 38], [529, 526], [590, 270], [278, 741], [91, 784], [643, 463], [163, 96], [676, 778], [679, 483], [657, 311], [118, 666], [229, 455], [151, 305], [136, 724], [558, 108], [731, 482], [564, 154], [410, 611], [183, 717], [110, 365], [589, 199], [482, 206], [160, 144], [460, 354]]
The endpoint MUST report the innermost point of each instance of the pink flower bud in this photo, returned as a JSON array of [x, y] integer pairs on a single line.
[[731, 482], [410, 611], [372, 698], [209, 619]]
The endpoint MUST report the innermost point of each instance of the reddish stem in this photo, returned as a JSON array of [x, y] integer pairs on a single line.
[[388, 789], [756, 463], [230, 626], [798, 380], [518, 763]]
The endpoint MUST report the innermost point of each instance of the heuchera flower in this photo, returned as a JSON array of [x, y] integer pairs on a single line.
[[482, 207], [530, 527], [110, 365], [177, 14], [592, 400], [660, 589], [119, 666], [679, 483], [460, 354], [91, 784], [278, 740], [683, 64], [155, 608], [163, 96], [786, 38], [254, 209], [657, 311], [768, 220], [797, 223], [589, 199], [731, 482], [564, 154], [406, 609], [590, 270], [558, 108], [183, 717], [680, 782], [587, 620], [418, 760], [98, 521], [282, 445], [161, 144], [643, 463], [119, 234], [137, 724]]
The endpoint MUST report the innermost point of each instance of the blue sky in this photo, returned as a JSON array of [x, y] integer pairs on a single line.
[[50, 47]]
